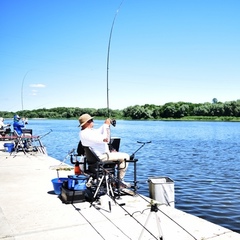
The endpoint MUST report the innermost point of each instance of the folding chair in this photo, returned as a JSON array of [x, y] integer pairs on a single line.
[[26, 142], [93, 158], [19, 143], [97, 169], [95, 166], [105, 174]]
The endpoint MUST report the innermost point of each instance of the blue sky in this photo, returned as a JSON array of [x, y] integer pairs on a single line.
[[53, 53]]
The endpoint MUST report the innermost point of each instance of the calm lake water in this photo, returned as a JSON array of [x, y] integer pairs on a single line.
[[202, 158]]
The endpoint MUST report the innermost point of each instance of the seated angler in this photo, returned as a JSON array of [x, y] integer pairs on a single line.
[[4, 128], [98, 140], [17, 126]]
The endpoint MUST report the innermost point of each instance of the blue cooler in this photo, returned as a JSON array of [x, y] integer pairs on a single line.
[[9, 147], [77, 182]]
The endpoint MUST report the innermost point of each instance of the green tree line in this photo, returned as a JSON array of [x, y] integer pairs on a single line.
[[179, 110]]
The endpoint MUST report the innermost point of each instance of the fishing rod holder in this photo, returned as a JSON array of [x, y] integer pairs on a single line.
[[143, 144], [135, 182]]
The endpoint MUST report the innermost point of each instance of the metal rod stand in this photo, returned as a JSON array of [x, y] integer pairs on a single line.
[[108, 187], [135, 182]]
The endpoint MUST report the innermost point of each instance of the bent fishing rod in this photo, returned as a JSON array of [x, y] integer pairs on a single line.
[[108, 54]]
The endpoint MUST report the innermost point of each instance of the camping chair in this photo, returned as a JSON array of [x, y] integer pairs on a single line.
[[26, 142], [95, 166], [5, 134], [5, 131], [103, 172], [92, 164], [19, 143]]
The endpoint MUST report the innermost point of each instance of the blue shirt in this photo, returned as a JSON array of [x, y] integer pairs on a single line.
[[18, 127]]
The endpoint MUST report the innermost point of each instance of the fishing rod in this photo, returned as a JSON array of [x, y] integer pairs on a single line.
[[62, 165], [22, 87], [69, 154], [45, 134], [108, 54]]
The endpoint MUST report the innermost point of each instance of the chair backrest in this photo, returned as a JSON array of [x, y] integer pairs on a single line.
[[91, 156], [8, 130], [27, 131], [94, 162], [80, 149]]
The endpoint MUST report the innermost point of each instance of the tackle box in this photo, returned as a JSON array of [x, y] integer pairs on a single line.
[[72, 196]]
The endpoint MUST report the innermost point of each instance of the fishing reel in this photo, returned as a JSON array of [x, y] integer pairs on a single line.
[[113, 122]]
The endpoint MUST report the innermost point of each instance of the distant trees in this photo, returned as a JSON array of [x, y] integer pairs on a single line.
[[171, 110]]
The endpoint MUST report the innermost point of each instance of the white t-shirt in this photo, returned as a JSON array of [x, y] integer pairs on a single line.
[[94, 138]]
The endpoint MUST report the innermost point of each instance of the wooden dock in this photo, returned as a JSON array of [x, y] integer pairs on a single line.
[[29, 209]]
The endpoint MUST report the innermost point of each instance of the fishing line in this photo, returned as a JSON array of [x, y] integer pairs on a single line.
[[128, 213], [159, 211], [120, 205], [115, 179], [168, 217], [131, 215], [113, 222], [88, 221], [108, 53]]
